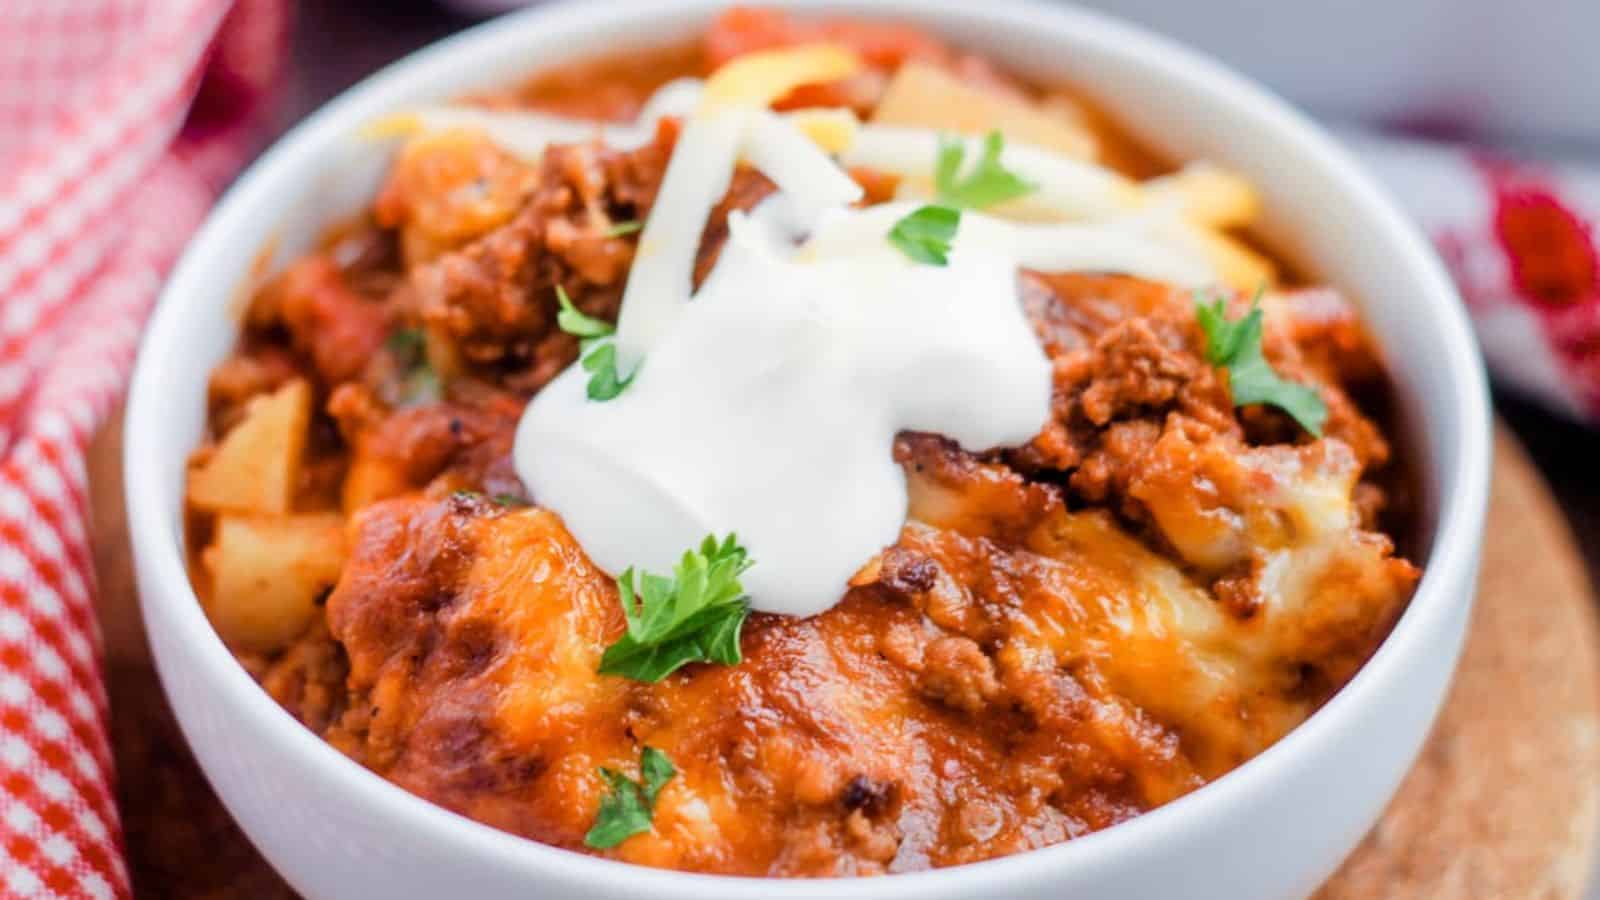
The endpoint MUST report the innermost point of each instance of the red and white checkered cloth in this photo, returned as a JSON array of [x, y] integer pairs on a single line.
[[119, 122], [1520, 239]]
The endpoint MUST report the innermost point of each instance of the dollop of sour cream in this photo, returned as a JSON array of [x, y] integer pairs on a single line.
[[770, 408], [767, 403]]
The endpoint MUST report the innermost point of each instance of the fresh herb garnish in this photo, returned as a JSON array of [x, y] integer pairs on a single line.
[[694, 616], [925, 234], [623, 229], [421, 387], [419, 384], [510, 501], [628, 809], [601, 364], [986, 185], [576, 323], [598, 354], [407, 344], [1235, 345]]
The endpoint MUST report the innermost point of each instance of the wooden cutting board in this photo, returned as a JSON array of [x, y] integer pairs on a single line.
[[1502, 802]]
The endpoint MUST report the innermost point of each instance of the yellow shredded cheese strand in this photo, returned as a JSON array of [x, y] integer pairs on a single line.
[[394, 125], [831, 129], [1208, 195], [758, 79], [1238, 265]]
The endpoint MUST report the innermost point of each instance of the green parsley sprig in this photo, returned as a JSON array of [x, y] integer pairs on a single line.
[[419, 384], [1235, 345], [925, 234], [623, 229], [406, 344], [629, 807], [988, 184], [510, 501], [694, 616], [597, 353]]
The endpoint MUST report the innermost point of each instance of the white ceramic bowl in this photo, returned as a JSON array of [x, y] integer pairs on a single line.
[[1274, 828]]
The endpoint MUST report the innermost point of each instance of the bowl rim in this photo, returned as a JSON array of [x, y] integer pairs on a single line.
[[1451, 560]]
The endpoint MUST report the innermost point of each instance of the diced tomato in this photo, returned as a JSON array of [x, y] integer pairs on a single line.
[[878, 187], [327, 319], [882, 45]]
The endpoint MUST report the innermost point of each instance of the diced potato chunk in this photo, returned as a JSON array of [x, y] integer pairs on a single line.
[[257, 464], [1240, 266], [928, 96], [1208, 195], [372, 478], [1214, 200], [267, 573]]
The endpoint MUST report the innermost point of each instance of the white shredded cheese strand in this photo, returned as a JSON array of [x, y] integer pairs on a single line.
[[661, 279], [678, 97], [525, 133], [782, 153], [1066, 188], [1073, 188], [1156, 244]]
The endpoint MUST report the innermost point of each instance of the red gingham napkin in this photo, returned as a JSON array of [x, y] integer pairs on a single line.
[[1520, 238], [119, 121]]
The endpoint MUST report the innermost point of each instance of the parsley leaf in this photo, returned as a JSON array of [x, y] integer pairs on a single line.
[[508, 501], [1235, 344], [406, 343], [421, 387], [419, 384], [574, 322], [694, 616], [657, 770], [630, 806], [599, 356], [601, 364], [622, 229], [925, 234], [986, 185]]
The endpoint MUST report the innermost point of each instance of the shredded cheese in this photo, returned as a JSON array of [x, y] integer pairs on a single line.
[[732, 107], [756, 80], [1070, 189]]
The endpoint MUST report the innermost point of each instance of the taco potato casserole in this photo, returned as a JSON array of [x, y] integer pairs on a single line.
[[1188, 547]]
